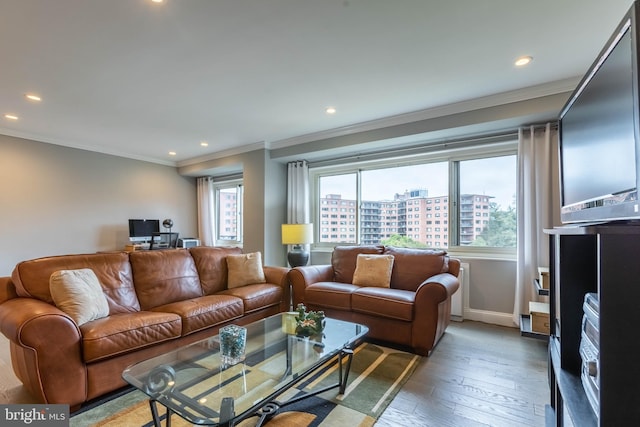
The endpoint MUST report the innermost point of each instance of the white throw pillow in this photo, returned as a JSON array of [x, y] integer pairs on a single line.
[[245, 269], [79, 294], [373, 270]]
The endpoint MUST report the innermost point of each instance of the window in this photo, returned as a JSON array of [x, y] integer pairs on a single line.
[[228, 202], [470, 185], [338, 190], [489, 184]]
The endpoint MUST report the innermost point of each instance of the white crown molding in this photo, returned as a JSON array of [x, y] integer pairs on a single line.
[[224, 153], [531, 92], [54, 141]]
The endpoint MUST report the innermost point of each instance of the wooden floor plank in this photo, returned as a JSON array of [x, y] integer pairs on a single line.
[[479, 374]]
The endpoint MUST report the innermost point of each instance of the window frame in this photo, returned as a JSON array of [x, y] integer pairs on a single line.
[[453, 157], [218, 186]]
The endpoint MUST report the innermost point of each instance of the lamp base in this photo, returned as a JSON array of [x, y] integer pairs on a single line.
[[297, 257]]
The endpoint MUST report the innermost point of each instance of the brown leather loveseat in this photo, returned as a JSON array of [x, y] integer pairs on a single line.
[[414, 310], [157, 301]]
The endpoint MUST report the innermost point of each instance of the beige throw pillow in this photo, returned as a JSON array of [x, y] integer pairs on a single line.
[[373, 270], [79, 294], [245, 269]]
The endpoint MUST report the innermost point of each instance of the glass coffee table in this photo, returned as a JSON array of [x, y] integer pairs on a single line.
[[193, 382]]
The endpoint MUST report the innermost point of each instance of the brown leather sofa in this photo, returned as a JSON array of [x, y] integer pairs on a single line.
[[158, 301], [414, 311]]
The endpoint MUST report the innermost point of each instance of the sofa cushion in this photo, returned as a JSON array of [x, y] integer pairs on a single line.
[[211, 263], [258, 296], [330, 295], [165, 276], [79, 294], [391, 303], [127, 332], [411, 266], [31, 277], [204, 312], [373, 270], [245, 269], [343, 260]]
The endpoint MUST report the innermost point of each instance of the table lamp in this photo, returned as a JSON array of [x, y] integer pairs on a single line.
[[297, 235], [168, 223]]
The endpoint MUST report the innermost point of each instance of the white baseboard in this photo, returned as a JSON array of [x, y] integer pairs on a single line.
[[460, 310], [492, 317]]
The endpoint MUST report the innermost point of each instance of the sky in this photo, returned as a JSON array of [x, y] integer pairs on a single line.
[[494, 176]]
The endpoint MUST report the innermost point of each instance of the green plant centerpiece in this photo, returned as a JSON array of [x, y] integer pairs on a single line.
[[309, 323]]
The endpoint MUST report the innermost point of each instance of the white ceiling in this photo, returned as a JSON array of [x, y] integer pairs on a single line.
[[139, 79]]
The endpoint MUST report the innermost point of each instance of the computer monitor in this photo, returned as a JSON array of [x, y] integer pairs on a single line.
[[141, 230]]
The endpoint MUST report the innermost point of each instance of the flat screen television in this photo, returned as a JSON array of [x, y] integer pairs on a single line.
[[599, 134], [141, 230]]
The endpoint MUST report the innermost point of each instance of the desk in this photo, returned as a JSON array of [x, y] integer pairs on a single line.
[[133, 248]]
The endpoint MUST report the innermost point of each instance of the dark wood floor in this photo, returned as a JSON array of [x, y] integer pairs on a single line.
[[478, 375]]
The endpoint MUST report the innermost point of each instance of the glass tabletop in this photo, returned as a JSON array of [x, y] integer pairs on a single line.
[[193, 381]]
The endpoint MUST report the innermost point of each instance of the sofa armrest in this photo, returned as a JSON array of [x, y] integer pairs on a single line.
[[46, 350], [448, 285], [7, 289], [432, 311], [301, 277], [276, 275], [279, 276]]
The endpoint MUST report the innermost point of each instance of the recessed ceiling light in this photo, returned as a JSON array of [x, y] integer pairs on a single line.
[[204, 143], [11, 116], [330, 110], [172, 153], [523, 60], [157, 1], [32, 97]]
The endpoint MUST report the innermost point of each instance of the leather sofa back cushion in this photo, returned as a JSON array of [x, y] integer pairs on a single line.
[[411, 267], [165, 276], [113, 270], [343, 260], [211, 264]]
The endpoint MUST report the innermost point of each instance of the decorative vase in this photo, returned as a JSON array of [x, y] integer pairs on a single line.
[[233, 340]]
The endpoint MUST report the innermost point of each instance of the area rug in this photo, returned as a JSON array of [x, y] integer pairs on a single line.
[[377, 373]]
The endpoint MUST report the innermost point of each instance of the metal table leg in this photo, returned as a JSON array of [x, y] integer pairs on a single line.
[[154, 414]]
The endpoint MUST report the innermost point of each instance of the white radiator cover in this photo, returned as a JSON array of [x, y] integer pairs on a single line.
[[457, 299]]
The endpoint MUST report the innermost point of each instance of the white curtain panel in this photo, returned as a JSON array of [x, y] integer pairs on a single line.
[[538, 208], [298, 203], [206, 211]]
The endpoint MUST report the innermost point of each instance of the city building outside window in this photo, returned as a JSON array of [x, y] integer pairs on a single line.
[[469, 187]]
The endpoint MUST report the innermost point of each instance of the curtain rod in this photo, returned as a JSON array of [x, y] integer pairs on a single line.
[[554, 125], [422, 148]]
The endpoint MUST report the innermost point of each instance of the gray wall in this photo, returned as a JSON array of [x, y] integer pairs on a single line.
[[491, 284], [265, 198], [56, 200]]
